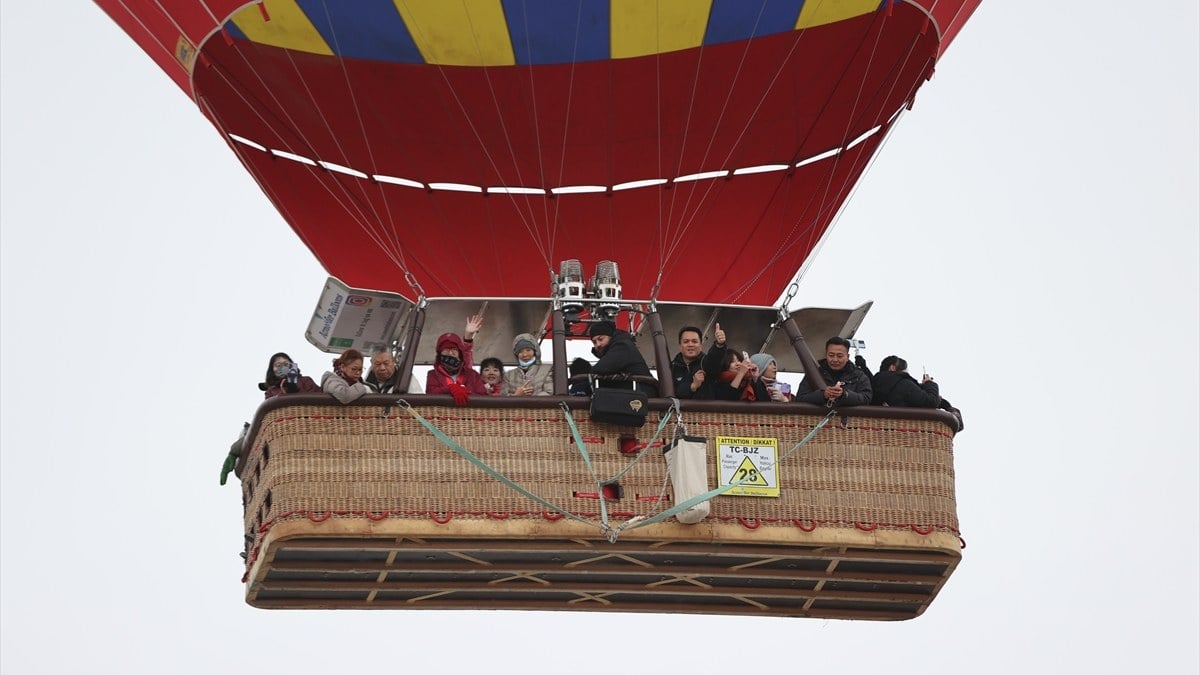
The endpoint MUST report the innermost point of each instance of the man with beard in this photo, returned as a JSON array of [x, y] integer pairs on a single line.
[[847, 385]]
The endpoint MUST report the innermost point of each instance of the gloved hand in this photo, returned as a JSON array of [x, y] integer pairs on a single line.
[[460, 393], [228, 467]]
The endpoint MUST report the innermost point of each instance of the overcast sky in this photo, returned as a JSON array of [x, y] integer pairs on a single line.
[[1029, 235]]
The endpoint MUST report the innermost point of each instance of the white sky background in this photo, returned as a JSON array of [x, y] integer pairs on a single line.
[[1029, 234]]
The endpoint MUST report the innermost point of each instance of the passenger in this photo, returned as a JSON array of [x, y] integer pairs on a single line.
[[583, 387], [491, 370], [283, 377], [531, 377], [345, 382], [846, 384], [738, 380], [618, 355], [780, 392], [384, 378], [450, 375], [892, 385], [474, 323], [692, 369]]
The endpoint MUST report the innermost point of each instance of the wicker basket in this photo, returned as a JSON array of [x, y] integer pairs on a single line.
[[361, 506]]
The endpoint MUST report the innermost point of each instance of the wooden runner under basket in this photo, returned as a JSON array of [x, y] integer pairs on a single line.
[[360, 506]]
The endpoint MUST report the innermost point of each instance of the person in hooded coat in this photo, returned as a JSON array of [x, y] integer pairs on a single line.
[[892, 385], [618, 355], [345, 382], [451, 375], [531, 377], [283, 377]]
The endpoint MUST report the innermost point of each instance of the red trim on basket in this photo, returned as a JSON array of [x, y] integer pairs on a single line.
[[921, 530], [806, 529], [552, 516], [313, 517], [441, 520], [376, 518], [866, 527], [746, 523], [498, 516]]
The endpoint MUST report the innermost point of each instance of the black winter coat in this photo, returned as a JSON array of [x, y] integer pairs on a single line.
[[623, 357], [682, 373], [901, 389], [856, 386]]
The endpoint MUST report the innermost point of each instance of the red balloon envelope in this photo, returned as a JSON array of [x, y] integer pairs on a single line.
[[465, 149]]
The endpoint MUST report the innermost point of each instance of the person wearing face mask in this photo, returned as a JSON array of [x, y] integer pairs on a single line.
[[283, 377], [450, 375], [531, 377], [345, 382]]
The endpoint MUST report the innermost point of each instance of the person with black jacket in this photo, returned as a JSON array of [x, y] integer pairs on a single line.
[[892, 385], [693, 370], [618, 355], [846, 385]]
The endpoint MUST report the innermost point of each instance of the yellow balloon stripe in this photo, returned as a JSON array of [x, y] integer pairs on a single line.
[[459, 33], [821, 12], [289, 27], [640, 28]]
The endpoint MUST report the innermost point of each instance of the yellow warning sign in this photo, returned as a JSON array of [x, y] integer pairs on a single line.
[[748, 463]]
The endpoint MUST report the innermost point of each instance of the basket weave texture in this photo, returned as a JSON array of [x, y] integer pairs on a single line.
[[355, 461]]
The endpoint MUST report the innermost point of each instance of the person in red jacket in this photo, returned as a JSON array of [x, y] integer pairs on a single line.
[[450, 375]]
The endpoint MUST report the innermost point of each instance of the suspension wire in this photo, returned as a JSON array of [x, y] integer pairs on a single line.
[[537, 135], [360, 219], [393, 231], [849, 186], [529, 228], [289, 123], [688, 221], [374, 217], [720, 116], [562, 161]]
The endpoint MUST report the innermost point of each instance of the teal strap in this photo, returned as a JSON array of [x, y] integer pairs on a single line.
[[467, 455], [587, 460], [662, 424], [722, 490]]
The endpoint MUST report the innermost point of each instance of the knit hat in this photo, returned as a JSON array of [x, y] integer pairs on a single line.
[[603, 328], [523, 342], [762, 360]]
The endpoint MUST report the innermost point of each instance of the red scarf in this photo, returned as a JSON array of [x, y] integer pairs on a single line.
[[726, 377]]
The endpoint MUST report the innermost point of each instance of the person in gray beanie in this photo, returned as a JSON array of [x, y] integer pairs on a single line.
[[767, 370], [531, 377]]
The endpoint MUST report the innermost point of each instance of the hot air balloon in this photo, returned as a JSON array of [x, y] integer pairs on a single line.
[[446, 155]]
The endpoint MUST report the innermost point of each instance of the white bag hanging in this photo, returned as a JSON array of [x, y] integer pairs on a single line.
[[687, 464]]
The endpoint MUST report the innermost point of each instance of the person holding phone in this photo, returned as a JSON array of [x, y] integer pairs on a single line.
[[846, 384]]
